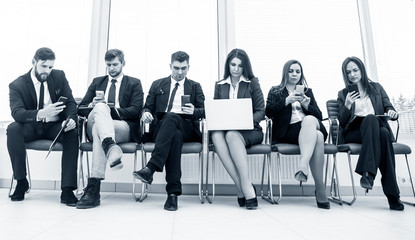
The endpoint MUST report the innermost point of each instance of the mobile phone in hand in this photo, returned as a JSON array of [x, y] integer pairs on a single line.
[[299, 88], [63, 100], [185, 99], [353, 88], [99, 94]]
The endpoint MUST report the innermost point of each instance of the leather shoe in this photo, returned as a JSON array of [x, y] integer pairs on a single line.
[[395, 203], [323, 205], [253, 202], [300, 176], [68, 198], [366, 181], [242, 201], [21, 188], [171, 203], [145, 175]]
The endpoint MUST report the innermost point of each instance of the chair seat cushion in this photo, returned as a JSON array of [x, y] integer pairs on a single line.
[[43, 145], [189, 147], [259, 149], [130, 147], [400, 148], [286, 148], [330, 148], [355, 148]]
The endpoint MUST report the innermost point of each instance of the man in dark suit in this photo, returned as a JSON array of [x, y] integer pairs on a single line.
[[38, 115], [172, 124], [116, 101]]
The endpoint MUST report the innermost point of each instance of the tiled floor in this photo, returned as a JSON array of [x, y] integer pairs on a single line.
[[41, 216]]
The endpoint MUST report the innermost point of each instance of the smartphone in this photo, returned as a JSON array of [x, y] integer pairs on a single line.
[[353, 88], [185, 99], [299, 88], [99, 94], [63, 100]]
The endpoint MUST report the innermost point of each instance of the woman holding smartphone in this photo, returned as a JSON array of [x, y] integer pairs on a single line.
[[239, 81], [297, 120], [373, 133]]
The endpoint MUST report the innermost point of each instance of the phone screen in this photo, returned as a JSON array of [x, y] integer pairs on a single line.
[[185, 99], [353, 88]]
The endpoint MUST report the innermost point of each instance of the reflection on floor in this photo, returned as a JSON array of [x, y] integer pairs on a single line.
[[41, 216]]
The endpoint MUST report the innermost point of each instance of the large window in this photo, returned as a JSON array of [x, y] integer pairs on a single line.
[[27, 25], [320, 34], [150, 31], [394, 49]]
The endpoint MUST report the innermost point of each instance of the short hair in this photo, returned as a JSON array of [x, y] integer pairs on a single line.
[[44, 54], [180, 56], [365, 79], [246, 63], [285, 76], [114, 53]]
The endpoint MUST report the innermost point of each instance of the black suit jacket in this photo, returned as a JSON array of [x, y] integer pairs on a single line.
[[246, 90], [130, 97], [281, 114], [23, 99], [158, 96]]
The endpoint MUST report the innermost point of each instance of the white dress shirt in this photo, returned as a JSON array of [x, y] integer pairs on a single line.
[[177, 102], [117, 89]]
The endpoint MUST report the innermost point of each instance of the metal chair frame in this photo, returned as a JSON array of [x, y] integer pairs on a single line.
[[263, 148], [347, 148]]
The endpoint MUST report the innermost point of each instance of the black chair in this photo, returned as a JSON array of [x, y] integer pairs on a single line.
[[260, 149], [354, 149], [294, 149]]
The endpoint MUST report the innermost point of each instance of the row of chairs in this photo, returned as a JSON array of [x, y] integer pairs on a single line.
[[204, 150]]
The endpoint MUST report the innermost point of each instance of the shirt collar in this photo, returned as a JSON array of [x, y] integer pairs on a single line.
[[228, 80], [119, 78], [173, 82]]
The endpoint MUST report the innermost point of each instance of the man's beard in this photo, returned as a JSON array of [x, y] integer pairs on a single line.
[[41, 77]]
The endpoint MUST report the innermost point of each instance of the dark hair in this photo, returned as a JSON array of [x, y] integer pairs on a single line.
[[114, 53], [44, 54], [365, 79], [246, 63], [180, 57], [285, 76]]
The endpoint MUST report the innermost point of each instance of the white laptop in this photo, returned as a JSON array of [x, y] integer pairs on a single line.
[[229, 114]]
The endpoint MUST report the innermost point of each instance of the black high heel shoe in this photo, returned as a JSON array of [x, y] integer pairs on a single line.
[[252, 203], [242, 201], [300, 176], [323, 205]]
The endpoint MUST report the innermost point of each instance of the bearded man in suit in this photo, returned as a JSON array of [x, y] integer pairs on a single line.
[[39, 115]]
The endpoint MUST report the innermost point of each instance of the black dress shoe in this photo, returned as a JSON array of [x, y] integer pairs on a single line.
[[145, 175], [242, 201], [366, 181], [323, 205], [68, 198], [395, 203], [171, 203], [21, 188], [253, 202], [301, 177]]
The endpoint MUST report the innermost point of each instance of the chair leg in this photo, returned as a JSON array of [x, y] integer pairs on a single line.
[[336, 185], [410, 179], [81, 177], [201, 196], [270, 197], [210, 199], [144, 186]]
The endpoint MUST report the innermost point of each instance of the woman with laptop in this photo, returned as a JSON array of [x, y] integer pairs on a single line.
[[239, 82], [360, 105], [297, 120]]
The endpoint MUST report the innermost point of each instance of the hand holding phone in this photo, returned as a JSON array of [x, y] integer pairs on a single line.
[[299, 88], [63, 100], [185, 99], [353, 88]]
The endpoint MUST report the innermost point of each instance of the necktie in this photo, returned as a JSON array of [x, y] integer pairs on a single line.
[[173, 93], [111, 93], [41, 95]]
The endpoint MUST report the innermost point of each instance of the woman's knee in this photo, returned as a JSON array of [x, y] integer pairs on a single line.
[[309, 121], [232, 136]]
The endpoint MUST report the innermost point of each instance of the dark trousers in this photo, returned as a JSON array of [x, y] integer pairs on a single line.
[[377, 152], [169, 135], [19, 133]]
